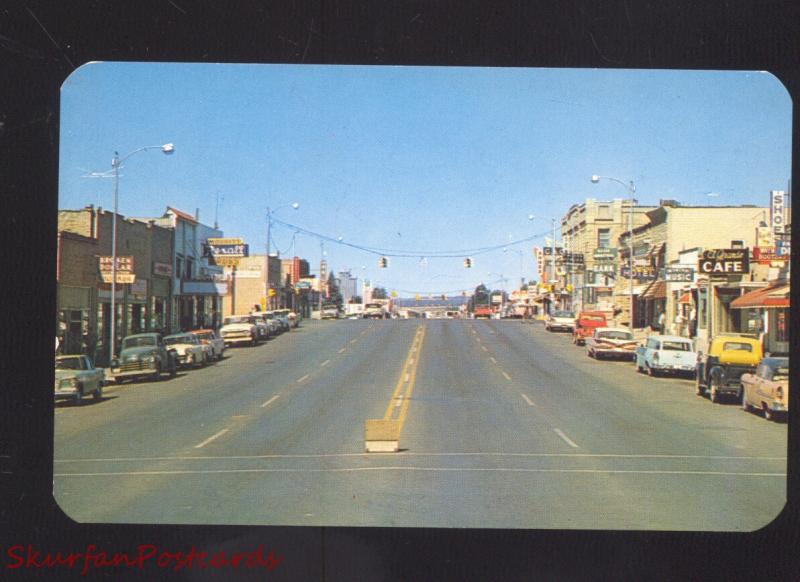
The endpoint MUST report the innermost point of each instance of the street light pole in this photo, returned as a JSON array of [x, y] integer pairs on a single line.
[[632, 190], [267, 300], [167, 148]]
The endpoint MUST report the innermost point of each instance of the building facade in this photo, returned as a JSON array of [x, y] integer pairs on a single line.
[[348, 286]]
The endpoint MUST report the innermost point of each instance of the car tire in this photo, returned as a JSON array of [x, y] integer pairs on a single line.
[[157, 374], [746, 405], [698, 387], [173, 369], [713, 393], [79, 398], [650, 371], [98, 394], [769, 415]]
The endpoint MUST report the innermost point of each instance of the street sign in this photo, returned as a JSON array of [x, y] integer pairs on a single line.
[[678, 274], [724, 262]]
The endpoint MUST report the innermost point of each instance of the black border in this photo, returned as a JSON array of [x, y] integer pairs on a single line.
[[42, 42]]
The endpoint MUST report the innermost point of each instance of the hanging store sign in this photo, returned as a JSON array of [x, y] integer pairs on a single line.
[[640, 272], [724, 262], [604, 254], [124, 270], [777, 201], [162, 269], [783, 248], [768, 255], [678, 274], [605, 268]]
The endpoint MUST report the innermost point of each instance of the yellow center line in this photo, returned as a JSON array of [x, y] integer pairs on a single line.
[[401, 380], [410, 389]]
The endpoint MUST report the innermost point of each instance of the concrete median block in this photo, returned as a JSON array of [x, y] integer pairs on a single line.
[[382, 436]]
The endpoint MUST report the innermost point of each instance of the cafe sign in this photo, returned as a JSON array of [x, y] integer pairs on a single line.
[[226, 252], [678, 274], [724, 262]]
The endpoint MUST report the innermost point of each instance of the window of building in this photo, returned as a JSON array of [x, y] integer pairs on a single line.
[[179, 266], [603, 238], [604, 212], [189, 267]]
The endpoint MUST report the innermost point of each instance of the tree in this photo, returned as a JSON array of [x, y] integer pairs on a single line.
[[379, 293], [335, 294], [355, 299]]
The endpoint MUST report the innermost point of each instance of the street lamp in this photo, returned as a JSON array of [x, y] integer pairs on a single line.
[[167, 149], [294, 205], [632, 190]]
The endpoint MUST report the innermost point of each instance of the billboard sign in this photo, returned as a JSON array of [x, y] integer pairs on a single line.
[[124, 269], [777, 199], [678, 274]]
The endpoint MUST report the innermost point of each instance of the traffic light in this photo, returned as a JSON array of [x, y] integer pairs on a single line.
[[383, 262], [468, 263]]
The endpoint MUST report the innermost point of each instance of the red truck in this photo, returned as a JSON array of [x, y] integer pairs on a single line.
[[585, 324], [483, 311]]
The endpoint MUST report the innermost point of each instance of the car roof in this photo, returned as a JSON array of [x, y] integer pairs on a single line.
[[669, 338], [737, 338], [613, 329]]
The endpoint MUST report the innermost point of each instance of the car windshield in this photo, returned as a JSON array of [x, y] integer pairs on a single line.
[[240, 319], [179, 339], [563, 314], [676, 346], [68, 363], [781, 373], [137, 342], [737, 346], [203, 336], [617, 335]]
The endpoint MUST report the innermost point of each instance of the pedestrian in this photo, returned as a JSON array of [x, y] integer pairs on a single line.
[[662, 321], [679, 322], [693, 323]]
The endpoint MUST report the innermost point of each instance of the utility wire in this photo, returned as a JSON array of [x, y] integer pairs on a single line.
[[414, 254]]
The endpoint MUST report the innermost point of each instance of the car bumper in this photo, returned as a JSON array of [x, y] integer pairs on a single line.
[[614, 353], [118, 373], [560, 326], [66, 394], [671, 368]]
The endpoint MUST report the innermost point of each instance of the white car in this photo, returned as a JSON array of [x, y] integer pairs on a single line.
[[666, 353], [562, 320], [239, 329], [215, 345], [607, 342], [190, 352]]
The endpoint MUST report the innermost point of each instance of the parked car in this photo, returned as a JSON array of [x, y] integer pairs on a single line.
[[282, 318], [294, 319], [611, 342], [215, 344], [76, 377], [719, 372], [560, 320], [262, 326], [143, 354], [666, 354], [768, 389], [329, 312], [239, 329], [585, 324], [273, 323], [190, 352]]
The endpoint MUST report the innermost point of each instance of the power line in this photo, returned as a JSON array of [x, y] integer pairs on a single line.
[[408, 253]]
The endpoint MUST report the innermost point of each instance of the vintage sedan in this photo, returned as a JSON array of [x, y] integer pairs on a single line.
[[214, 344], [560, 320], [666, 354], [611, 342], [189, 350], [768, 389], [76, 377]]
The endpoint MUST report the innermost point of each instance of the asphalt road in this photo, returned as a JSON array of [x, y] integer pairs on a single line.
[[504, 425]]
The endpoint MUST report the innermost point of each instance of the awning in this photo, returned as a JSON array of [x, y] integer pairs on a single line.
[[656, 290], [686, 298], [774, 297]]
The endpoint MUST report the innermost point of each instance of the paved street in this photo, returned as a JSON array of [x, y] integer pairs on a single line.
[[504, 426]]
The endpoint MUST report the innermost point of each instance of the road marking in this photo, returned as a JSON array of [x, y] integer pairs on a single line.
[[410, 454], [416, 342], [363, 332], [342, 350], [411, 361], [211, 438], [477, 339], [270, 401], [399, 401], [492, 359], [325, 363], [565, 438], [352, 341], [528, 400], [302, 378], [484, 348], [407, 377], [506, 375], [412, 468]]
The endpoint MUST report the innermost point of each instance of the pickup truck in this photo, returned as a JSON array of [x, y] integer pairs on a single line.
[[374, 311], [585, 324], [143, 354], [329, 312], [240, 329], [719, 372]]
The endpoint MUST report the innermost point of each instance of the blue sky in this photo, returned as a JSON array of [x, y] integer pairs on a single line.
[[417, 158]]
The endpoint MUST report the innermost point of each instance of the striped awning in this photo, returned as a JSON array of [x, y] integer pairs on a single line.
[[686, 298], [775, 297], [656, 290]]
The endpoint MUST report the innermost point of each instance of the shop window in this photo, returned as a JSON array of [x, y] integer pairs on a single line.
[[782, 325]]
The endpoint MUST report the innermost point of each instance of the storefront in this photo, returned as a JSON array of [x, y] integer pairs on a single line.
[[75, 322], [765, 312], [652, 303]]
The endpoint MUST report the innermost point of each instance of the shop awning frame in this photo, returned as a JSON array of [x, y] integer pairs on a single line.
[[773, 297]]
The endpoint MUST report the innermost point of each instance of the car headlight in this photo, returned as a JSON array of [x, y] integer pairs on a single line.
[[69, 383], [150, 358]]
